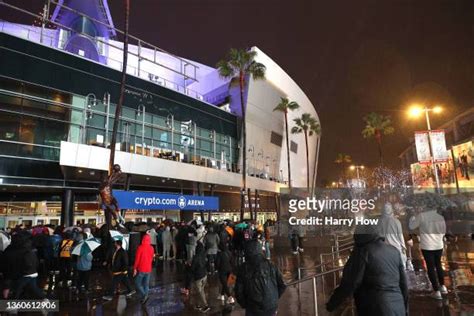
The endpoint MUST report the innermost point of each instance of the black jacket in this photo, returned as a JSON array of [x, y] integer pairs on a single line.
[[375, 276], [198, 265], [259, 283], [224, 262], [19, 258], [119, 261]]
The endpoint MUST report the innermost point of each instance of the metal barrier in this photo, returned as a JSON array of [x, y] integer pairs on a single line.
[[315, 284]]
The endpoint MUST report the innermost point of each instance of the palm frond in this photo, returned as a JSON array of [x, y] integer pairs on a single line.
[[257, 70]]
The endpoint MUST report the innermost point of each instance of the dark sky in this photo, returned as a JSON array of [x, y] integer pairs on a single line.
[[350, 57]]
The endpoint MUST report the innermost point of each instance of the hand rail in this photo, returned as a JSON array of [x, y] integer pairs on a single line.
[[315, 284]]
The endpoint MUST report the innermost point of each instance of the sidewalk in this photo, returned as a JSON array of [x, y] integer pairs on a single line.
[[165, 298]]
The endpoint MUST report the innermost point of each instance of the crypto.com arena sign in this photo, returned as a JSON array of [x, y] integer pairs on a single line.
[[137, 200]]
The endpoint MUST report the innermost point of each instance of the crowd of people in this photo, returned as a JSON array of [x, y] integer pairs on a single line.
[[65, 257]]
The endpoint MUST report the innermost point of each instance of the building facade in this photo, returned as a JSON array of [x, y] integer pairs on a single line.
[[178, 132]]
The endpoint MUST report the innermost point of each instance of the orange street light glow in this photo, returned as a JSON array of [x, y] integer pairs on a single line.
[[415, 111]]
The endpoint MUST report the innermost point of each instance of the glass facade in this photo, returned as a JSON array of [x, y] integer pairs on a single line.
[[34, 120]]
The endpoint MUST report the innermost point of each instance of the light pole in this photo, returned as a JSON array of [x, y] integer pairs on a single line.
[[252, 151], [170, 124], [357, 168], [416, 111], [87, 110], [107, 116], [141, 111]]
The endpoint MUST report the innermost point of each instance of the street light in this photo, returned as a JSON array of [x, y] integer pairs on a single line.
[[357, 168], [416, 111]]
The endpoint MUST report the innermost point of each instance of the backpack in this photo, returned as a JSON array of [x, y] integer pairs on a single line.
[[66, 248]]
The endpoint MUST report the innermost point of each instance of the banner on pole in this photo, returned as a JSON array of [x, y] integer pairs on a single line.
[[422, 147], [438, 146]]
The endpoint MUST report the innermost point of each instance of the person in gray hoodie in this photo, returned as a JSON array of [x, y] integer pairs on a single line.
[[390, 228], [166, 240], [211, 241]]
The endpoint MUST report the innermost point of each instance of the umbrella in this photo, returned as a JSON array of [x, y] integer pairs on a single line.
[[242, 225], [5, 240], [116, 235], [71, 228], [86, 246]]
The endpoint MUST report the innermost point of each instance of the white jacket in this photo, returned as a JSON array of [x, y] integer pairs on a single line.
[[432, 229]]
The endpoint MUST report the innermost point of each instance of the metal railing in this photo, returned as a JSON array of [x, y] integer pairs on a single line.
[[39, 35], [314, 279]]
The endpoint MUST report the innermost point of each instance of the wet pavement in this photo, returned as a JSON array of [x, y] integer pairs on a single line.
[[165, 297]]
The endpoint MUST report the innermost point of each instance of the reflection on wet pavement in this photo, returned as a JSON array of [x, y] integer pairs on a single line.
[[165, 297]]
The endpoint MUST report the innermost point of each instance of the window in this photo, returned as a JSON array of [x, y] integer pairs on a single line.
[[276, 139], [294, 147]]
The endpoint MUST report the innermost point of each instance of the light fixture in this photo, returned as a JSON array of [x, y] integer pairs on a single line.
[[415, 111], [437, 109], [80, 171]]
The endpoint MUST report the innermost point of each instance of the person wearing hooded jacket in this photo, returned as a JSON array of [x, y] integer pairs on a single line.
[[20, 267], [390, 228], [374, 275], [199, 273], [259, 283], [143, 266]]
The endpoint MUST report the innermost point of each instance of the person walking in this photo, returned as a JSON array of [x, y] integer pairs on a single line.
[[142, 268], [174, 242], [152, 233], [119, 268], [65, 259], [166, 240], [199, 273], [84, 266], [211, 241], [374, 275], [259, 283], [432, 228], [224, 269], [20, 263], [191, 242], [390, 228]]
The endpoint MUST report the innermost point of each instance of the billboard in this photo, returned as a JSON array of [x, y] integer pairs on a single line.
[[464, 158]]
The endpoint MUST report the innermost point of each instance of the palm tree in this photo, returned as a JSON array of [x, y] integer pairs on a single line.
[[307, 125], [284, 106], [238, 66], [343, 159], [376, 126], [118, 109]]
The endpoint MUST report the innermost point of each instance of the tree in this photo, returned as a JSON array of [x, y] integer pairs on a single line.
[[238, 66], [342, 160], [377, 125], [284, 106], [118, 109], [307, 125]]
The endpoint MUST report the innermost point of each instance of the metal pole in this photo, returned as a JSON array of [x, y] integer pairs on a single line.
[[139, 58], [438, 187], [455, 172], [172, 131], [315, 297], [195, 139], [107, 104], [214, 148], [143, 130], [230, 152]]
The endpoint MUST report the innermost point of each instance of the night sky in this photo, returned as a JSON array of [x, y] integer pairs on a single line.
[[350, 57]]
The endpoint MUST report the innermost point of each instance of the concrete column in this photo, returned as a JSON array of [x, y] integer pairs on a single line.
[[67, 208]]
